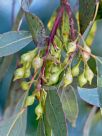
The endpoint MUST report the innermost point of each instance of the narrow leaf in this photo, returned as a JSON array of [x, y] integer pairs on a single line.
[[70, 104], [40, 129], [12, 42], [99, 79], [55, 114]]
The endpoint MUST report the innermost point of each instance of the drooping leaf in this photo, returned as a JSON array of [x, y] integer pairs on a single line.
[[48, 131], [86, 13], [15, 125], [99, 79], [40, 129], [89, 95], [70, 104], [55, 114], [12, 42], [37, 29]]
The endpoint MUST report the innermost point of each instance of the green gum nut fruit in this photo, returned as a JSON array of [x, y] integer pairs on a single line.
[[89, 74], [29, 100], [39, 111], [37, 62], [27, 57], [19, 73], [86, 55], [71, 47], [27, 73], [82, 80], [68, 78], [75, 70], [25, 85], [54, 77]]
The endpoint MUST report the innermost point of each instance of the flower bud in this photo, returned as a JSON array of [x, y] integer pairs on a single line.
[[39, 111], [89, 74], [75, 70], [19, 73], [37, 62], [71, 47], [82, 80], [68, 79], [29, 100], [86, 55], [25, 85]]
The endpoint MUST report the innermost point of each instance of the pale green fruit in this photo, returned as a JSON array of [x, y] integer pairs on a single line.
[[82, 80], [89, 74], [39, 111], [37, 62], [27, 73], [19, 73], [25, 85], [27, 57], [86, 55], [71, 47], [29, 100], [75, 70], [68, 78]]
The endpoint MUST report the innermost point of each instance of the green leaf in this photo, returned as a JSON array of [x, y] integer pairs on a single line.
[[70, 104], [40, 129], [15, 125], [12, 42], [55, 114], [89, 95], [48, 130], [99, 79], [86, 13], [37, 29]]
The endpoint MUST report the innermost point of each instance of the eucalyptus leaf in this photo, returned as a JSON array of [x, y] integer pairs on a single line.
[[70, 104], [99, 79], [55, 114], [12, 42], [89, 95], [37, 29], [86, 13], [40, 129]]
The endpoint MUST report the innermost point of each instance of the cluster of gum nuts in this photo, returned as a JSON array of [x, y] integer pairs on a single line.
[[53, 70]]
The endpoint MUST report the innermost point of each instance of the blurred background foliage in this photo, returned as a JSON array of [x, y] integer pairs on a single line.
[[44, 10]]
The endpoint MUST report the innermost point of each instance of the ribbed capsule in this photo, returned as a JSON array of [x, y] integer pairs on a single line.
[[19, 73], [39, 111], [71, 47], [89, 74], [29, 100], [82, 80], [75, 70], [86, 55], [37, 62], [25, 85]]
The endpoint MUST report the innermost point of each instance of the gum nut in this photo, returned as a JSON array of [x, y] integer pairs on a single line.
[[25, 85], [37, 62], [86, 55], [29, 100], [53, 79], [39, 111], [89, 74], [82, 80], [26, 58], [27, 73], [71, 47], [75, 70], [19, 73], [68, 79]]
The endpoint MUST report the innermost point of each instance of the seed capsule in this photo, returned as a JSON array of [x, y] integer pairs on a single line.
[[27, 73], [68, 79], [19, 73], [75, 70], [71, 47], [89, 74], [86, 55], [37, 62], [39, 111], [82, 80], [29, 100], [25, 85]]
